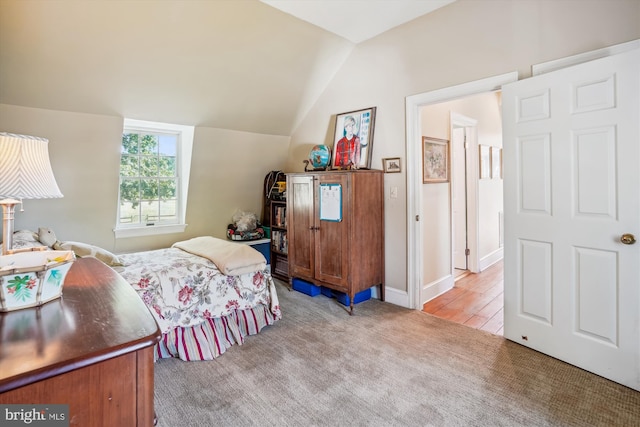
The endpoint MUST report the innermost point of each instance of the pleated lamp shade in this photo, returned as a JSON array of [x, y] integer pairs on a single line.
[[25, 170]]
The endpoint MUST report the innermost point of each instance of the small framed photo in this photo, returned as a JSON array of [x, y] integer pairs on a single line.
[[353, 139], [391, 165], [435, 160], [496, 162], [485, 161]]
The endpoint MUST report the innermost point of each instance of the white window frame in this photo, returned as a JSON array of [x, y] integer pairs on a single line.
[[185, 149]]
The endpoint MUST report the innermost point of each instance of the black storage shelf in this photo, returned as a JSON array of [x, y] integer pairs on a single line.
[[279, 244]]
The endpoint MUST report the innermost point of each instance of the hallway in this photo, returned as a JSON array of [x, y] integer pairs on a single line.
[[476, 300]]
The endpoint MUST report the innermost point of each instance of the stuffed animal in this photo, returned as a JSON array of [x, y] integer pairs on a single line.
[[48, 238], [245, 221]]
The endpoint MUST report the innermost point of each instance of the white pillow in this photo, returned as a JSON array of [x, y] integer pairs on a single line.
[[86, 250]]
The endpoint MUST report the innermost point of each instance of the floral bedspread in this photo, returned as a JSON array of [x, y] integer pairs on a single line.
[[183, 290]]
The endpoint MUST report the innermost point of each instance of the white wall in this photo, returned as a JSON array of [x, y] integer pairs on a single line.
[[462, 42], [227, 174]]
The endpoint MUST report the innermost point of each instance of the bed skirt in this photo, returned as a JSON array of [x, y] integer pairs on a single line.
[[214, 336]]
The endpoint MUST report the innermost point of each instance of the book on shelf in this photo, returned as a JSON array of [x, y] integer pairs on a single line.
[[280, 214], [279, 241]]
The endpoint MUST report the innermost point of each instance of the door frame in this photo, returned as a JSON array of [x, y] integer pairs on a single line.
[[414, 167]]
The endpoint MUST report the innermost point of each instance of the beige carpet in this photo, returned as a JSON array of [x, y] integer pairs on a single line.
[[383, 366]]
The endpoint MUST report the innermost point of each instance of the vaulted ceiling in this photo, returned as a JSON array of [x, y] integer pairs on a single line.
[[240, 65], [357, 20]]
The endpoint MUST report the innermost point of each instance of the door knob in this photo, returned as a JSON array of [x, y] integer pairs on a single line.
[[628, 239]]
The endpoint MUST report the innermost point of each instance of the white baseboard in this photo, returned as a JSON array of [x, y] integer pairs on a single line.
[[430, 291], [397, 297], [436, 288], [491, 259]]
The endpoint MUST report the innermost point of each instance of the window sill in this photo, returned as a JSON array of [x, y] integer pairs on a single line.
[[123, 233]]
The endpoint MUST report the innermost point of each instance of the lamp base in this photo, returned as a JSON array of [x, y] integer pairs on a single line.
[[8, 210]]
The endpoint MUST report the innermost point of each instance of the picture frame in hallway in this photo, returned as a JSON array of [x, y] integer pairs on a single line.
[[485, 161], [496, 162], [391, 165], [435, 160]]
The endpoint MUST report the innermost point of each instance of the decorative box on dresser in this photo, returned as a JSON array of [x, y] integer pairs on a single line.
[[279, 240], [91, 349], [337, 243]]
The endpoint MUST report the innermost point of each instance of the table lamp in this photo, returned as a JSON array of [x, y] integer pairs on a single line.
[[25, 173]]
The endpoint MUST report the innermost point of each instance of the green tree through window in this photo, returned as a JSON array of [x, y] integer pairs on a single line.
[[148, 178]]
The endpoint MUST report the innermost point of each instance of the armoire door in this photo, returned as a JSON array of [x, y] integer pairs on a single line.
[[301, 225], [332, 236], [571, 154]]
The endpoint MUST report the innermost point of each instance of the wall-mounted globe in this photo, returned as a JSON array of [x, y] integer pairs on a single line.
[[320, 157]]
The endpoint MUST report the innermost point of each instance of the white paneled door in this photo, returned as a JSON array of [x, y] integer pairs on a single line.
[[572, 202]]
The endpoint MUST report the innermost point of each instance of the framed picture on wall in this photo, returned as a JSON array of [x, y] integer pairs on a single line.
[[391, 165], [485, 161], [353, 139], [496, 162], [435, 160]]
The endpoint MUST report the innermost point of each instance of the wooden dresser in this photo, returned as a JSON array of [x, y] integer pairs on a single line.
[[91, 349]]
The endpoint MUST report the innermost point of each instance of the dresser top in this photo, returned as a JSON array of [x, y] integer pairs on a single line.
[[98, 317]]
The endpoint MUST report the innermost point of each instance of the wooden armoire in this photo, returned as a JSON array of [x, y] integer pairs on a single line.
[[335, 226]]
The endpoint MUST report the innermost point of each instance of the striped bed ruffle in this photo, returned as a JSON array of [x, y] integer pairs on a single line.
[[214, 336]]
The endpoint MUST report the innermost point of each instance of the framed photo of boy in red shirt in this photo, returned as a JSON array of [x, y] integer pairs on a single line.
[[353, 139]]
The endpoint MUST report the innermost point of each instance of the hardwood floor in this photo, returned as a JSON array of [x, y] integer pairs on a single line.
[[476, 300]]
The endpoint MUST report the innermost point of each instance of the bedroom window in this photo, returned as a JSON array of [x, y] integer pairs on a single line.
[[154, 173]]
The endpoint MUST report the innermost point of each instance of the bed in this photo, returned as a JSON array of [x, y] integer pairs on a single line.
[[206, 294]]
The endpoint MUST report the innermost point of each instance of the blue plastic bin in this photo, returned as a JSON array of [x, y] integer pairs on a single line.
[[306, 287], [326, 291], [357, 298]]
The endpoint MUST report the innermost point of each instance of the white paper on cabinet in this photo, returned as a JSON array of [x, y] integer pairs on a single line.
[[331, 202]]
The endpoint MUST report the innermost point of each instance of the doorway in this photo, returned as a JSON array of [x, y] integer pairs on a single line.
[[417, 291], [474, 204], [461, 214]]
